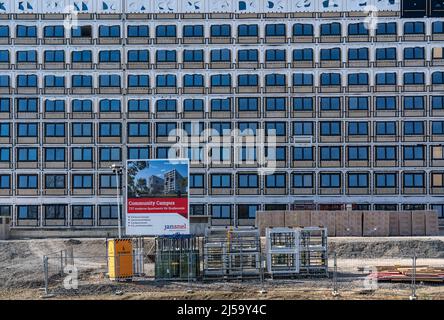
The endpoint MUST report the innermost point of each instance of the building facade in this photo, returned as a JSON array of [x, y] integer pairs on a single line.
[[356, 105]]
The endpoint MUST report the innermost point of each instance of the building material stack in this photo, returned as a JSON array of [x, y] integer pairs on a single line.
[[282, 250], [231, 253]]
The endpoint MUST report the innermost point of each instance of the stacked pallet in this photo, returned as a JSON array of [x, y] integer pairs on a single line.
[[354, 223], [404, 274]]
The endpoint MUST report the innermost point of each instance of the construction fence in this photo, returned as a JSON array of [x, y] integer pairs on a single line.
[[178, 264]]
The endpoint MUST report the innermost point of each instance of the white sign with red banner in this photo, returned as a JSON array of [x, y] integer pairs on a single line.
[[157, 201]]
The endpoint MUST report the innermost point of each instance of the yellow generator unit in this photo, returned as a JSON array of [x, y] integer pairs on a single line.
[[120, 259]]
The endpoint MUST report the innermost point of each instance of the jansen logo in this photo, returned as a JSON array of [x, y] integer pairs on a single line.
[[175, 227]]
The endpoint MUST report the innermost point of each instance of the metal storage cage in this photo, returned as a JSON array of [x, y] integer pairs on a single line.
[[231, 253], [314, 250], [177, 258], [282, 251]]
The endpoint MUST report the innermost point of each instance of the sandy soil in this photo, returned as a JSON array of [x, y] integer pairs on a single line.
[[21, 273]]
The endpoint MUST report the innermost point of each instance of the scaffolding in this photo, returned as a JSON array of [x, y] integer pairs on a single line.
[[177, 258], [231, 253], [282, 251], [313, 250]]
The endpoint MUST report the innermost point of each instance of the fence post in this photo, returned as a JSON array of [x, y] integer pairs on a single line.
[[45, 272], [262, 266], [413, 295], [335, 292], [61, 263]]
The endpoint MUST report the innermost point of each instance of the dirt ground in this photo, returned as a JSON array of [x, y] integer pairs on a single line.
[[22, 277]]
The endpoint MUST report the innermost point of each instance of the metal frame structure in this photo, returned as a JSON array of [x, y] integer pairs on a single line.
[[314, 250], [231, 253], [282, 251], [177, 258]]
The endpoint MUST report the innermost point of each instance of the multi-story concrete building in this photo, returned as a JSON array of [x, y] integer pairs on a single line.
[[174, 183], [358, 111], [156, 185]]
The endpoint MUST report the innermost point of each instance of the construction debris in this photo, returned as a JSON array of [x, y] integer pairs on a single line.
[[404, 274]]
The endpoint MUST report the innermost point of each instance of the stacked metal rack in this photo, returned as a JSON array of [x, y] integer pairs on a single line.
[[282, 250], [313, 250], [231, 253], [177, 258]]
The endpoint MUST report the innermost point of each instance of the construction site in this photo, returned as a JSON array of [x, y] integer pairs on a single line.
[[283, 262]]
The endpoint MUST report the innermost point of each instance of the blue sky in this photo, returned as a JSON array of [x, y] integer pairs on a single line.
[[159, 167]]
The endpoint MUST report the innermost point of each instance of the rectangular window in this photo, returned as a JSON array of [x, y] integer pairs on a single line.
[[164, 129], [276, 180], [82, 154], [303, 154], [27, 154], [193, 31], [358, 180], [81, 212], [388, 153], [27, 130], [136, 105], [138, 31], [166, 105], [27, 181], [108, 181], [54, 154], [221, 211], [331, 128], [55, 211], [27, 212], [81, 56], [111, 129], [108, 212], [385, 180], [197, 180], [248, 30], [303, 104], [248, 104], [107, 105], [246, 180], [414, 153], [413, 180], [223, 30], [81, 32], [330, 153], [302, 180], [138, 129], [358, 153], [300, 29], [54, 105], [330, 180], [386, 128], [82, 181], [109, 31], [166, 31], [54, 129], [5, 154], [221, 104], [135, 153], [5, 181], [55, 181], [303, 128], [247, 211], [221, 180], [81, 105], [54, 31], [110, 154], [81, 129]]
